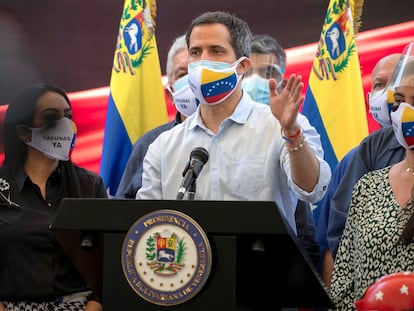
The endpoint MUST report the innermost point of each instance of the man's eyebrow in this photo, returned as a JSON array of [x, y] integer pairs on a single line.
[[180, 68]]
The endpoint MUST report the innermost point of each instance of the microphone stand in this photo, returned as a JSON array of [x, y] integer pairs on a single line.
[[198, 157], [192, 191]]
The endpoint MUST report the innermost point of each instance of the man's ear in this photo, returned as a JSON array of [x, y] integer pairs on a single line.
[[168, 90], [24, 133], [243, 66], [367, 95]]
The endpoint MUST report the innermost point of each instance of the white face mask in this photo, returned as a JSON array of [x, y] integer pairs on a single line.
[[380, 105], [55, 140], [212, 82], [183, 97], [403, 125]]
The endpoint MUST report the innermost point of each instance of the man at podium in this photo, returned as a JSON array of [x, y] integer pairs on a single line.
[[239, 149]]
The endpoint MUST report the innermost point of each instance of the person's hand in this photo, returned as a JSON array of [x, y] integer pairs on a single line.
[[2, 307], [92, 305], [285, 106]]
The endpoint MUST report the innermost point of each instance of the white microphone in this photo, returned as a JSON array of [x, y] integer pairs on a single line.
[[198, 157]]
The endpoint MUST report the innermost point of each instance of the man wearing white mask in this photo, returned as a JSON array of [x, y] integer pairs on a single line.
[[256, 152], [328, 241], [376, 151], [378, 236], [185, 102]]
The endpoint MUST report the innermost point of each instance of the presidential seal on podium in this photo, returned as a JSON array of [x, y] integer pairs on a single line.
[[166, 257]]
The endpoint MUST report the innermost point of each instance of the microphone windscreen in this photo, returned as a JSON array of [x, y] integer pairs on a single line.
[[199, 153]]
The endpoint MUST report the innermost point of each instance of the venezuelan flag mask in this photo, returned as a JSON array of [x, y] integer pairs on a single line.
[[403, 125], [212, 82]]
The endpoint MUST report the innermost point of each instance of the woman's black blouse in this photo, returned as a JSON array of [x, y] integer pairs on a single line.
[[33, 265]]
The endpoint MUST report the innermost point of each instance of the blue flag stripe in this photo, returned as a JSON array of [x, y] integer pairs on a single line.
[[312, 112], [118, 146]]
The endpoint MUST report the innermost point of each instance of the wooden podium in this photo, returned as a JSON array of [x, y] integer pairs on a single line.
[[256, 261]]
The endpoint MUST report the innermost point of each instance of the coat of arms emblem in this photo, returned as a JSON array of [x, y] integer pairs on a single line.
[[166, 257]]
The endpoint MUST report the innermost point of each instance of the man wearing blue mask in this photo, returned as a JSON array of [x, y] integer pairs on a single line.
[[268, 60], [256, 152]]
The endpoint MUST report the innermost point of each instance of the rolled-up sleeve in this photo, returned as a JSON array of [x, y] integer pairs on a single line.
[[313, 140]]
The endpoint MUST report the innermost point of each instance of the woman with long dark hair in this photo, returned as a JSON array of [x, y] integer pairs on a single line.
[[37, 173]]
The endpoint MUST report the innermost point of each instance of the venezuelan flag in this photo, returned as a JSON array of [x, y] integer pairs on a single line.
[[136, 102], [217, 85], [334, 101]]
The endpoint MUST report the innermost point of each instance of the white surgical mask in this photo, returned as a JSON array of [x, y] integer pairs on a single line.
[[403, 125], [55, 140], [183, 96], [380, 105], [212, 82]]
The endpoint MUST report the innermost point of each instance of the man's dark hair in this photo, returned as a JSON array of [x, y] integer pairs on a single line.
[[239, 30]]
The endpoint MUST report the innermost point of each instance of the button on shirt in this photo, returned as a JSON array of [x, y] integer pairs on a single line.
[[248, 160]]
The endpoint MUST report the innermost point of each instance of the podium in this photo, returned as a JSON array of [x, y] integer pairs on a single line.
[[256, 260]]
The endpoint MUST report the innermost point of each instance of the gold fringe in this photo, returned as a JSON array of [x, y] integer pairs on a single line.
[[356, 9]]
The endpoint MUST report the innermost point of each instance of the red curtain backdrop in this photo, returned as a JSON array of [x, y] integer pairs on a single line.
[[89, 107]]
